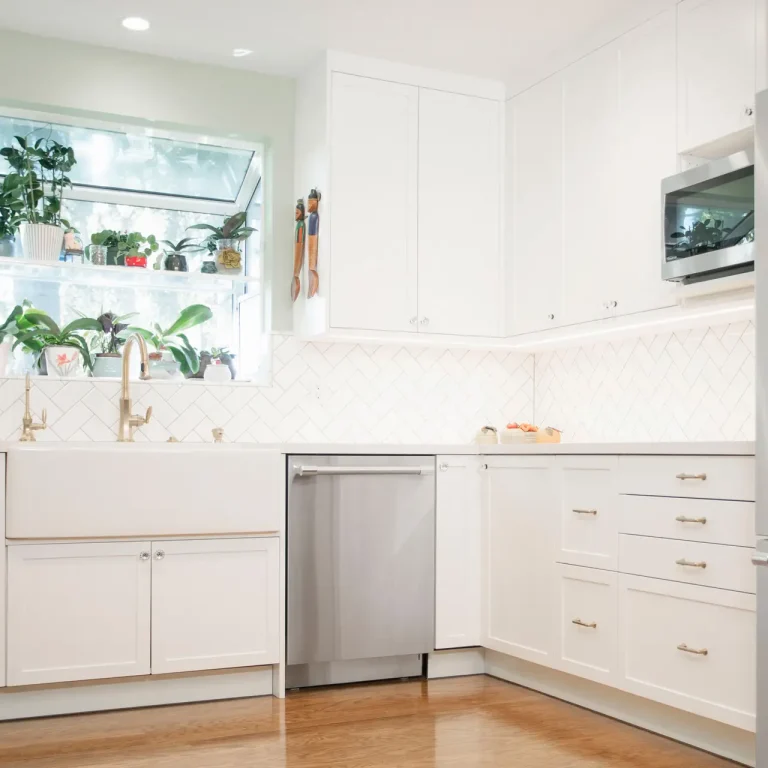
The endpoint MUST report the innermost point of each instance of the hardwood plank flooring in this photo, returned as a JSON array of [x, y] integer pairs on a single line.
[[469, 722]]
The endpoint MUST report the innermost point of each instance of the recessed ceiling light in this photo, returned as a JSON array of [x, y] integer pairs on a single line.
[[240, 52], [136, 24]]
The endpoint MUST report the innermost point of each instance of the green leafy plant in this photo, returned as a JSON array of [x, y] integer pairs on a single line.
[[233, 228], [9, 328], [39, 172], [187, 244], [11, 205], [36, 330], [174, 339], [125, 243], [107, 340]]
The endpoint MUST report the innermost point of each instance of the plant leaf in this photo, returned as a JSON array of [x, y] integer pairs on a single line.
[[190, 316], [81, 324]]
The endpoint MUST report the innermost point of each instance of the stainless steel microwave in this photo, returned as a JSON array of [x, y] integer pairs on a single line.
[[709, 220]]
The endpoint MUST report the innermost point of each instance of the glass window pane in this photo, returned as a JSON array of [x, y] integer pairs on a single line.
[[140, 163]]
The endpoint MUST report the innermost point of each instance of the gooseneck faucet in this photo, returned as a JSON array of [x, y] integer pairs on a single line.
[[129, 422], [28, 426]]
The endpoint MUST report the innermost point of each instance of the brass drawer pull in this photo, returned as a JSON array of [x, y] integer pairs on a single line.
[[585, 511], [688, 564], [684, 519], [686, 476], [697, 651], [588, 625]]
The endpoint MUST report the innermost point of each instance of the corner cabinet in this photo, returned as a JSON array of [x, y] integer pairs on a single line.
[[411, 211], [103, 610], [717, 70]]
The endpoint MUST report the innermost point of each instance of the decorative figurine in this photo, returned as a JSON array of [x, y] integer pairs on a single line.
[[313, 200], [298, 249]]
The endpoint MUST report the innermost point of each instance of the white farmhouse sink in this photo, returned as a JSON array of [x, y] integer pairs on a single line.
[[90, 490]]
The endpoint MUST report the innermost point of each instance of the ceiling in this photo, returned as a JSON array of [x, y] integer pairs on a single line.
[[518, 41]]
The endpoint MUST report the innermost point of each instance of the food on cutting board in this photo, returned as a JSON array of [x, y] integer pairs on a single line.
[[529, 433]]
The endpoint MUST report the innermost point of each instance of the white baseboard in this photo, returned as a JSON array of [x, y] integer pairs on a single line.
[[129, 694], [703, 733], [456, 663]]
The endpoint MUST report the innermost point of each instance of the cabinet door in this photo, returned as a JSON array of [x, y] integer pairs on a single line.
[[460, 187], [373, 204], [716, 69], [214, 604], [588, 623], [78, 611], [647, 144], [520, 509], [535, 191], [458, 552], [2, 571], [590, 168], [588, 521]]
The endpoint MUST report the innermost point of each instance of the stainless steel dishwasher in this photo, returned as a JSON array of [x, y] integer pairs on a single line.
[[361, 567]]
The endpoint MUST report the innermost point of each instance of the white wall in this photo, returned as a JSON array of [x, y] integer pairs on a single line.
[[55, 75]]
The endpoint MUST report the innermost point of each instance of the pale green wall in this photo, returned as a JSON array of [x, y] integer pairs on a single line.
[[47, 74]]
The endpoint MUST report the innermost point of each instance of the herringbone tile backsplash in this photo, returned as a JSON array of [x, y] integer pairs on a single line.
[[690, 385]]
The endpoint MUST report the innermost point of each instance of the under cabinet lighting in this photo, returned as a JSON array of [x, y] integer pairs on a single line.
[[136, 24]]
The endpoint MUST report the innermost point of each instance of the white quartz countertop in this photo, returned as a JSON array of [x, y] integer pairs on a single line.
[[723, 448]]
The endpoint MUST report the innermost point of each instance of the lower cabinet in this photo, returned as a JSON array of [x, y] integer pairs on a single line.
[[690, 647], [102, 610], [214, 604], [78, 611], [587, 608]]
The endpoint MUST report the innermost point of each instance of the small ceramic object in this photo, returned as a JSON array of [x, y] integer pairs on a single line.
[[163, 365], [487, 436], [107, 366], [176, 262], [209, 266], [136, 260], [6, 246], [63, 362], [217, 373]]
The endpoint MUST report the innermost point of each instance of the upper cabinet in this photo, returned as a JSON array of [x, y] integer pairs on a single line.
[[459, 214], [374, 167], [411, 178], [534, 181], [716, 70]]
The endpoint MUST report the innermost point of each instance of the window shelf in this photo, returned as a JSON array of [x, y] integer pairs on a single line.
[[123, 277]]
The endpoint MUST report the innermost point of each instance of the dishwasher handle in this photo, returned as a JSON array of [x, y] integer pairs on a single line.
[[313, 471]]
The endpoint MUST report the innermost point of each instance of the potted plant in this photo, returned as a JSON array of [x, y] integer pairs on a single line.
[[217, 358], [36, 169], [59, 351], [176, 258], [10, 209], [7, 331], [224, 242], [173, 351], [105, 345], [121, 248]]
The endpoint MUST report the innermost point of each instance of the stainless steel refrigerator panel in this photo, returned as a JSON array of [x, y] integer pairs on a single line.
[[361, 541]]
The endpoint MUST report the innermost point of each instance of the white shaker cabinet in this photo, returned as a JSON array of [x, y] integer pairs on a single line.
[[590, 167], [716, 70], [78, 611], [214, 604], [2, 571], [519, 529], [534, 198], [460, 290], [374, 141], [458, 552]]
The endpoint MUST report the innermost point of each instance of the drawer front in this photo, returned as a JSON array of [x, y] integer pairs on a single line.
[[697, 477], [689, 647], [589, 502], [708, 565], [588, 623], [715, 522]]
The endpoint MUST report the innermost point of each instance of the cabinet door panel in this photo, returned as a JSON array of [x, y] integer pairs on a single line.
[[77, 611], [590, 127], [2, 572], [521, 508], [716, 54], [214, 604], [460, 179], [535, 191], [458, 552], [373, 204], [647, 144]]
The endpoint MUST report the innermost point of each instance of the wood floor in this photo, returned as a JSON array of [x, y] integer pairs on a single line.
[[462, 722]]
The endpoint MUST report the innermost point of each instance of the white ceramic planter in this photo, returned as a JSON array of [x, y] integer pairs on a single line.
[[63, 362], [41, 242], [108, 366], [217, 373]]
